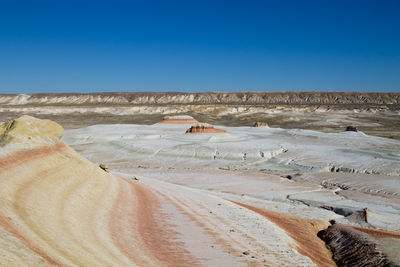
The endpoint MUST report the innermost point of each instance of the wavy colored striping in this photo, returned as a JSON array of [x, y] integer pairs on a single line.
[[139, 231], [19, 157], [70, 212], [5, 223]]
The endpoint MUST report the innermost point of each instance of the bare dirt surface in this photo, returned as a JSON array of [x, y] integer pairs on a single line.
[[373, 113], [377, 124]]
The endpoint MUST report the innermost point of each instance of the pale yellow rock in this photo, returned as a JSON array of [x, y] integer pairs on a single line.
[[26, 133], [27, 129]]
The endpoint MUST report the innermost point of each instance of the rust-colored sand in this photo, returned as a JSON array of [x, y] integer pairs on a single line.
[[303, 231], [377, 233]]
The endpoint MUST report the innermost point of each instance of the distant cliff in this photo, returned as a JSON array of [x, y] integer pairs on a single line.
[[208, 98]]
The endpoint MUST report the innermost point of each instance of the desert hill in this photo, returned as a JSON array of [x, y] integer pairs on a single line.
[[59, 209]]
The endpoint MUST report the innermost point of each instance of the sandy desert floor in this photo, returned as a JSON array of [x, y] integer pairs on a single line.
[[253, 196], [349, 177]]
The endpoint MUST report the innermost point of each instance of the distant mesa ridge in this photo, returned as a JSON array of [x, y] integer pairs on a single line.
[[206, 98]]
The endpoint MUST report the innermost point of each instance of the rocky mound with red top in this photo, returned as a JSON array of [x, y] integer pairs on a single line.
[[179, 120], [204, 129], [260, 124]]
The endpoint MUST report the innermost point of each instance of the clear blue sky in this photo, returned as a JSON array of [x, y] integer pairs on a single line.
[[88, 46]]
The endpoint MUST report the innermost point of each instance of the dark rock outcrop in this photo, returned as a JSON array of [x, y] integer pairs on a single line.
[[104, 167], [204, 129], [351, 129], [352, 248]]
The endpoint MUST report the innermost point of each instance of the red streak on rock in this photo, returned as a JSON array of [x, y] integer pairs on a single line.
[[6, 224], [139, 231], [12, 161], [22, 156], [376, 232]]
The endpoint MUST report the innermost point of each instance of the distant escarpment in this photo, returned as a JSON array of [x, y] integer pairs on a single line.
[[207, 98]]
